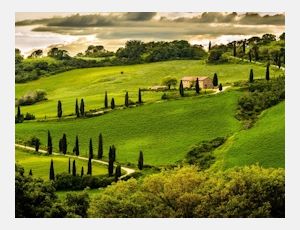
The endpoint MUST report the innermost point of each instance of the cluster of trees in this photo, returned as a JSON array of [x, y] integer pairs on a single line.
[[185, 192], [96, 51]]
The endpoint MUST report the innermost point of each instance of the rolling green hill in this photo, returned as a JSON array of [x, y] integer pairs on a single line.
[[91, 83], [164, 131], [263, 144], [40, 164]]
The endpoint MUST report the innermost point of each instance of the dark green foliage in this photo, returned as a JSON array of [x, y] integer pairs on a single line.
[[76, 147], [77, 108], [112, 153], [19, 117], [197, 87], [234, 48], [49, 146], [141, 161], [30, 172], [220, 87], [100, 147], [51, 172], [69, 168], [209, 45], [215, 80], [140, 97], [78, 203], [112, 104], [110, 167], [268, 73], [181, 90], [91, 154], [74, 168], [202, 154], [34, 141], [59, 109], [29, 116], [216, 56], [250, 56], [126, 99], [118, 173], [64, 144], [32, 97], [82, 172], [244, 46], [82, 108], [105, 100], [251, 76], [89, 171]]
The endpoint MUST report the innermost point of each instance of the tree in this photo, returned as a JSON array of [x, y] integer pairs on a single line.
[[282, 36], [105, 100], [51, 173], [215, 80], [126, 99], [169, 81], [64, 144], [112, 104], [89, 171], [59, 109], [268, 73], [113, 153], [181, 90], [77, 108], [141, 161], [49, 147], [76, 146], [118, 173], [251, 77], [74, 168], [209, 46], [234, 48], [100, 147], [220, 87], [19, 117], [250, 56], [91, 154], [37, 144], [82, 107], [244, 46], [140, 96], [69, 169], [36, 53], [30, 172], [110, 167], [197, 86], [82, 172]]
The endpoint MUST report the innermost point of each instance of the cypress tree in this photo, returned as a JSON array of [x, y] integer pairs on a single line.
[[77, 108], [250, 56], [181, 90], [113, 153], [49, 147], [209, 46], [64, 144], [118, 173], [141, 161], [37, 144], [82, 172], [69, 169], [126, 99], [30, 172], [51, 173], [244, 46], [251, 77], [19, 112], [100, 147], [220, 87], [89, 171], [140, 96], [268, 73], [77, 146], [82, 107], [74, 168], [109, 153], [19, 117], [197, 86], [112, 104], [215, 80], [59, 109], [91, 154], [105, 100], [234, 48], [110, 167]]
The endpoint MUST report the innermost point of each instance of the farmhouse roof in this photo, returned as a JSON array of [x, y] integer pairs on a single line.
[[193, 78]]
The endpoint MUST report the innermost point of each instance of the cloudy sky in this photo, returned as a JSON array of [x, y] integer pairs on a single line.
[[75, 31]]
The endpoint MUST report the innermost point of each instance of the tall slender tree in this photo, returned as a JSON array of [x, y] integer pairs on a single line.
[[113, 153], [74, 168], [110, 167], [51, 173], [140, 96], [37, 144], [100, 147], [82, 172], [91, 154], [30, 172], [77, 108], [49, 147], [59, 109], [126, 99], [69, 168], [105, 100], [89, 171], [141, 161], [209, 46], [234, 48], [197, 86], [250, 56], [220, 87], [82, 107], [215, 80], [64, 144], [76, 146], [251, 76], [118, 173], [181, 90], [244, 46], [112, 104], [268, 72]]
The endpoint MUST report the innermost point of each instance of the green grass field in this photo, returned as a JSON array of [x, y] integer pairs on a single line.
[[40, 164], [263, 144], [91, 83], [164, 131]]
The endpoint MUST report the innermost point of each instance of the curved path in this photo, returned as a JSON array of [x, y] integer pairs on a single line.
[[127, 170]]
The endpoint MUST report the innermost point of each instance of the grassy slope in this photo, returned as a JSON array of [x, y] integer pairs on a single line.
[[40, 164], [164, 131], [263, 144], [91, 83]]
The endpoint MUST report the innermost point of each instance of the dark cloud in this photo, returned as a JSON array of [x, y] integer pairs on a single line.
[[138, 16], [210, 17], [256, 19]]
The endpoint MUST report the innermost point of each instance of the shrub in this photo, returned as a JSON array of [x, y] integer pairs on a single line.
[[29, 116], [32, 97]]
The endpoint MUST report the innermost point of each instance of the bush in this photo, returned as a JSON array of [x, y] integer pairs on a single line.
[[32, 97], [29, 116]]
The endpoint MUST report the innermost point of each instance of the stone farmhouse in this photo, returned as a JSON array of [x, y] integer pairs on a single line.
[[204, 82]]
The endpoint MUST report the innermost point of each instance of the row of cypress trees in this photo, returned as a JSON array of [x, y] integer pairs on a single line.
[[267, 75]]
